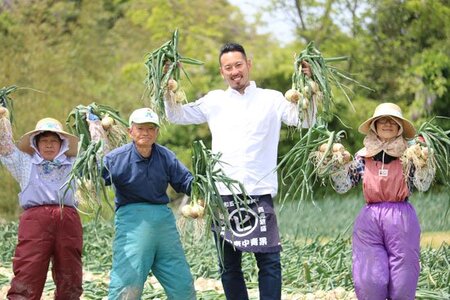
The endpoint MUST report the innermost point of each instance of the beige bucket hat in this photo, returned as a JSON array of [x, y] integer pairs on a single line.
[[48, 124], [389, 110]]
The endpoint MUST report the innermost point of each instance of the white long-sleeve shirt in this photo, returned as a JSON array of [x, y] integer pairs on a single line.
[[245, 129]]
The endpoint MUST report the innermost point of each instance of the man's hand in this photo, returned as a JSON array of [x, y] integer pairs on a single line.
[[306, 68]]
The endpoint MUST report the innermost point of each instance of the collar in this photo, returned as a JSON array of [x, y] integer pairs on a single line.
[[251, 87], [373, 145], [61, 158], [136, 156]]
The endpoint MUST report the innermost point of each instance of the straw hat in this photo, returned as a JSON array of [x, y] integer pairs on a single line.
[[389, 110], [48, 124]]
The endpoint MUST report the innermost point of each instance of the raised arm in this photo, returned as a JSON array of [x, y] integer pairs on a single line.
[[17, 162], [6, 137], [177, 113]]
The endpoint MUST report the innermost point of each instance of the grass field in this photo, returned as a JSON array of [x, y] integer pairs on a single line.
[[316, 253]]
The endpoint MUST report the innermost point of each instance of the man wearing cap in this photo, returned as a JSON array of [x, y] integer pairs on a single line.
[[49, 226], [146, 237], [386, 233]]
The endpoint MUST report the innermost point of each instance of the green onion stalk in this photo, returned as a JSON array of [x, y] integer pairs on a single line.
[[438, 142], [299, 171], [318, 88], [6, 100], [207, 174], [164, 66], [430, 153], [116, 129], [86, 171]]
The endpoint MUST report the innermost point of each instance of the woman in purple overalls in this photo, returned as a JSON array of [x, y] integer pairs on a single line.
[[386, 234]]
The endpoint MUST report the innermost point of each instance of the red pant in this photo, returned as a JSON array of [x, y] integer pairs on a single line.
[[48, 233]]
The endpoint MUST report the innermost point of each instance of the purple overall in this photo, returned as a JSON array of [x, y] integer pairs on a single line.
[[386, 236]]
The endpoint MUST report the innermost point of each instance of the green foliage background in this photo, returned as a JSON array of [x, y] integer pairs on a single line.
[[78, 51]]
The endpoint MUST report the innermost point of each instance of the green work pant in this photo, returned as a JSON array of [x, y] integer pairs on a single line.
[[146, 239]]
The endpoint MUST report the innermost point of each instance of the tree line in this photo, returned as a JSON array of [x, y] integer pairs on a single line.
[[65, 53]]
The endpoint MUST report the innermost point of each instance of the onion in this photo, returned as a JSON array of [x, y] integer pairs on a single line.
[[347, 156], [186, 211], [197, 211], [4, 112], [180, 96], [337, 156], [425, 153], [193, 211], [417, 150], [340, 293], [323, 148], [314, 87], [201, 202], [337, 147], [107, 122], [306, 89], [172, 85], [305, 103], [292, 95]]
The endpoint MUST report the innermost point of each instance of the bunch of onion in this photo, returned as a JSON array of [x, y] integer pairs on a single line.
[[430, 152], [195, 209], [176, 94], [6, 100], [305, 96], [318, 88], [86, 193], [87, 168], [417, 155], [192, 209], [298, 172], [86, 172], [164, 66], [208, 173], [114, 125], [329, 158], [116, 132]]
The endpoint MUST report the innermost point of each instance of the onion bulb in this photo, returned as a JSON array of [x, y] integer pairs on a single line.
[[337, 147], [172, 85], [4, 112], [425, 152], [347, 156], [305, 103], [314, 86], [323, 148], [186, 210], [193, 211], [107, 122], [197, 211], [292, 95]]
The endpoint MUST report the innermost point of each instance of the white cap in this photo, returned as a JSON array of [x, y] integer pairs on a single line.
[[143, 115]]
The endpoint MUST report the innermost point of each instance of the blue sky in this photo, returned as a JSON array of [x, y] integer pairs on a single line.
[[278, 26]]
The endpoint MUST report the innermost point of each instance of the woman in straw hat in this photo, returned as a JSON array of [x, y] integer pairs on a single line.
[[386, 233], [49, 226]]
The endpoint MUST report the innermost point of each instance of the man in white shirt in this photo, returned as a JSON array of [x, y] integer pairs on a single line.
[[245, 123]]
